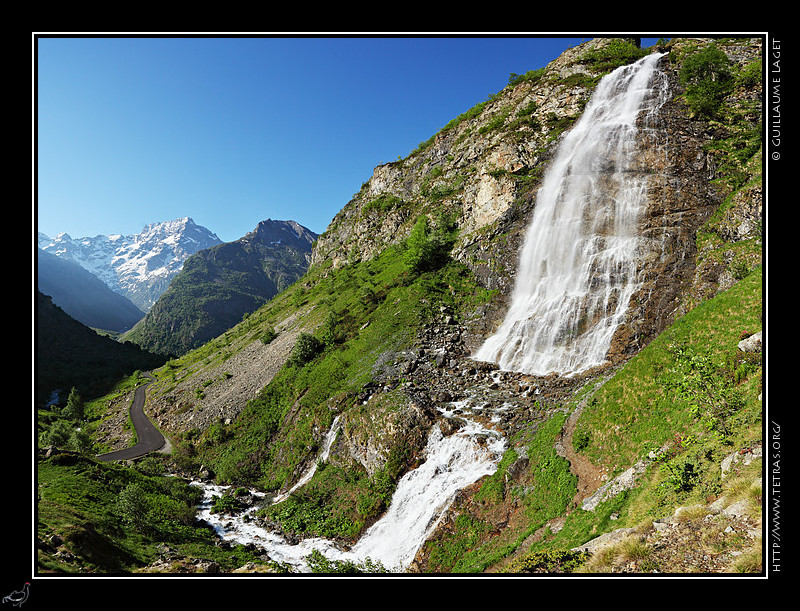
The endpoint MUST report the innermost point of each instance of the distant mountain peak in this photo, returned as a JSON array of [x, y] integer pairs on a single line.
[[290, 233], [139, 266], [219, 285]]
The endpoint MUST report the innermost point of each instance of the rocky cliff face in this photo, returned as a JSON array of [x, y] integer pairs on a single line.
[[475, 168]]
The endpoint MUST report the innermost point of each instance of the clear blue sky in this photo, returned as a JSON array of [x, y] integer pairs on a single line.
[[234, 130]]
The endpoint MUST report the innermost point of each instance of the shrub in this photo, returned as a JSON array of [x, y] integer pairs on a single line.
[[305, 349], [428, 249], [532, 76], [549, 561], [709, 392], [327, 332], [225, 504], [74, 408], [382, 204], [680, 475], [581, 440], [617, 52], [132, 506], [706, 76], [80, 441], [268, 335], [57, 434], [217, 433], [318, 563], [751, 75]]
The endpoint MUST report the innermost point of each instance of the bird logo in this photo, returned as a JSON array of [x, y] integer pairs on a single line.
[[17, 597]]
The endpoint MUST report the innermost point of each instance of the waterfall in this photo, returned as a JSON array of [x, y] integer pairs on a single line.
[[330, 437], [578, 268], [422, 495], [420, 500]]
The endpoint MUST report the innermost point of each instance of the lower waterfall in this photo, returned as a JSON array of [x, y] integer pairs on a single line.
[[422, 495], [419, 501], [579, 264]]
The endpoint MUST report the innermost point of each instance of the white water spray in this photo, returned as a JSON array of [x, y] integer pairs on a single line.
[[579, 265], [419, 502], [423, 495]]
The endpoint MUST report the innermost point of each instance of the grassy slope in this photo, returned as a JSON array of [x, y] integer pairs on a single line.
[[634, 413], [112, 519]]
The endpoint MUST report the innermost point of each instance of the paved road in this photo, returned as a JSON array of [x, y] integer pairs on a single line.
[[150, 439]]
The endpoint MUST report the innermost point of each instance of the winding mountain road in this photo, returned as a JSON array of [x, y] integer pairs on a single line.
[[150, 438]]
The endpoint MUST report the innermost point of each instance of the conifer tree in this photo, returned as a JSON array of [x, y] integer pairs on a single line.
[[74, 407]]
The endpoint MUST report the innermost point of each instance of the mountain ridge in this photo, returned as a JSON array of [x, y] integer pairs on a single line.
[[83, 295], [138, 266], [219, 285], [71, 355]]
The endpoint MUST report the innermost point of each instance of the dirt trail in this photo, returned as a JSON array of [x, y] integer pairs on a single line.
[[590, 478]]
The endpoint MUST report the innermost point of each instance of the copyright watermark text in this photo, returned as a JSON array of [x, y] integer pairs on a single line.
[[775, 87]]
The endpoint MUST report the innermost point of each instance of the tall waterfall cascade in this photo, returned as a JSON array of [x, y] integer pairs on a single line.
[[579, 266]]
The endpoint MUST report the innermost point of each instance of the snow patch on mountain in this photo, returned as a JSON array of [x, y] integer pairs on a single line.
[[138, 266]]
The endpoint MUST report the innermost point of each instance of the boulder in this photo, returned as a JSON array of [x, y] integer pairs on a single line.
[[751, 344]]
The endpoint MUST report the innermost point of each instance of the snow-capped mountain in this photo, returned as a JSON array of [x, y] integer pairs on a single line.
[[139, 266]]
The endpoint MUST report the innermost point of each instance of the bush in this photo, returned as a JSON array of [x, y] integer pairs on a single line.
[[74, 408], [751, 75], [617, 52], [318, 563], [550, 561], [382, 204], [132, 506], [581, 440], [268, 335], [225, 504], [327, 332], [706, 76], [428, 249], [58, 434], [531, 75], [80, 441], [305, 349]]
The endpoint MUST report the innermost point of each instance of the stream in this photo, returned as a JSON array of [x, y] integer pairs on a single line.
[[420, 500]]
